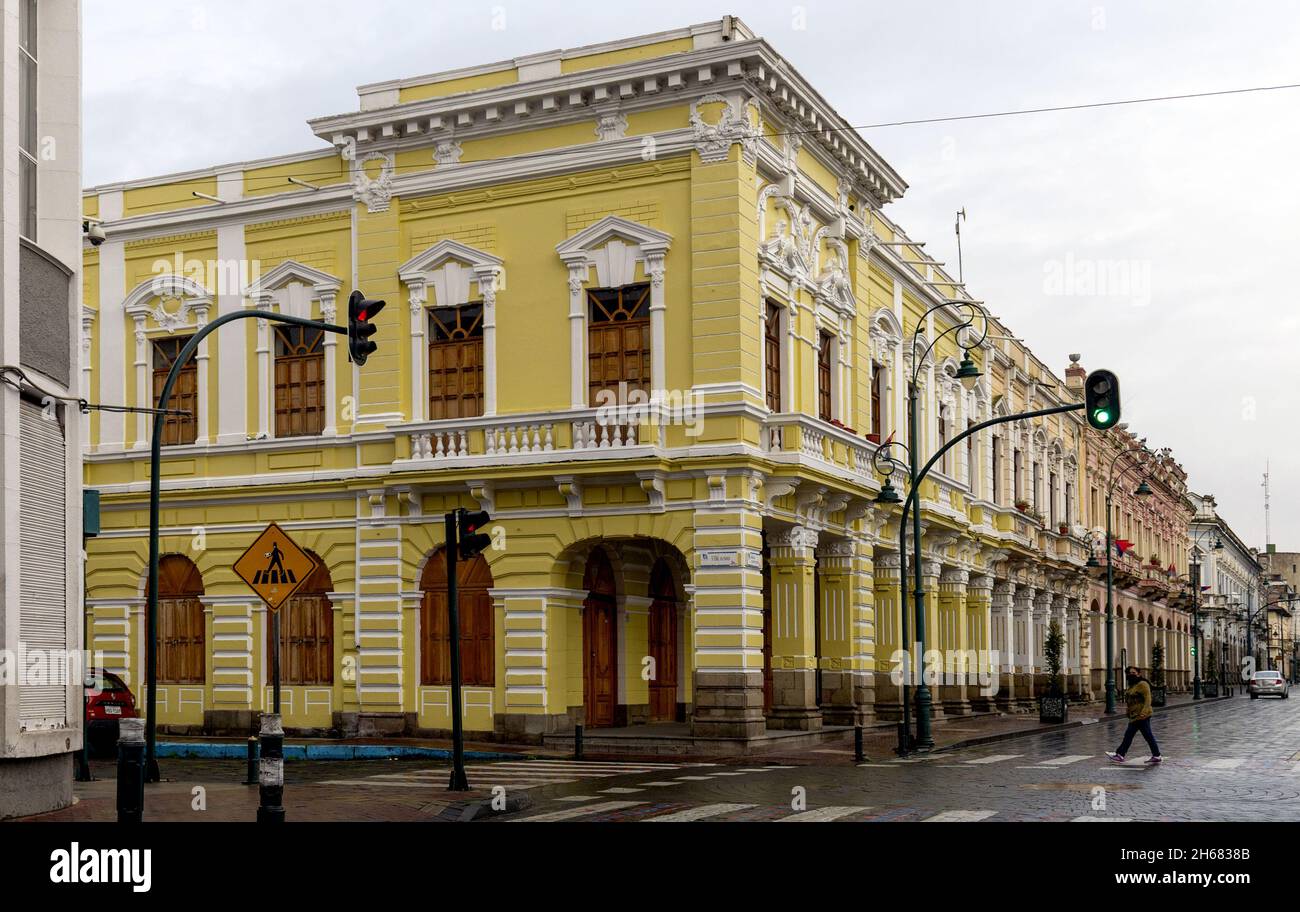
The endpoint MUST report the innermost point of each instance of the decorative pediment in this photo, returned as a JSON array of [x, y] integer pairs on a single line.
[[288, 273], [324, 287], [614, 245], [152, 298], [450, 267]]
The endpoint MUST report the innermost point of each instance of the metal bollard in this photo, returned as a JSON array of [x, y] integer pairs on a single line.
[[271, 771], [251, 778], [130, 771], [577, 742], [857, 743]]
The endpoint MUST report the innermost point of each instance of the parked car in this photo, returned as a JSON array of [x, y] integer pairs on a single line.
[[108, 701], [1268, 683]]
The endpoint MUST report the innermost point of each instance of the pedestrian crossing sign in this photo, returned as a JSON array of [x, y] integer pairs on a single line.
[[274, 566]]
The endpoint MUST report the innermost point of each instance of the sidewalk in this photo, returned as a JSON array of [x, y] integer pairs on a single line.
[[956, 732]]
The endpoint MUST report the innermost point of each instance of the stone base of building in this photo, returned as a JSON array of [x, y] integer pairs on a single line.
[[231, 722], [847, 698], [728, 705], [794, 701], [888, 703], [34, 785]]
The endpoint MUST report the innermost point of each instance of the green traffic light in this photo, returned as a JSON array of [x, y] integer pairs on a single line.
[[1101, 417]]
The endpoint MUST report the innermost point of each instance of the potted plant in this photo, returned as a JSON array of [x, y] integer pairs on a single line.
[[1063, 528], [1159, 693], [1053, 707], [1210, 686], [1022, 506]]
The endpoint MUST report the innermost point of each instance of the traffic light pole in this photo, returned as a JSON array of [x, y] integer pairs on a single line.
[[155, 487], [924, 701], [459, 782]]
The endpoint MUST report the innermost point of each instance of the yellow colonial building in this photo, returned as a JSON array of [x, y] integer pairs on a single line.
[[644, 307]]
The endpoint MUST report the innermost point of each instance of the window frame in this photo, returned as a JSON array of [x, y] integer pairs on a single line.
[[315, 353]]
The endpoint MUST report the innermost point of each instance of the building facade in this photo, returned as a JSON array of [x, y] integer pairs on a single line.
[[40, 434], [1147, 554], [644, 308], [1229, 587]]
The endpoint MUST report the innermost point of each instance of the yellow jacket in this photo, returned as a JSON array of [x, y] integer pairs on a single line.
[[1138, 698]]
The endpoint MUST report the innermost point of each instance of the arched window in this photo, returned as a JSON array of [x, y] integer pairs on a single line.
[[456, 361], [306, 632], [299, 381], [772, 356], [877, 399], [824, 402], [618, 342], [177, 429], [475, 617], [181, 635]]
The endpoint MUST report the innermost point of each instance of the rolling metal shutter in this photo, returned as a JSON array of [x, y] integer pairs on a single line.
[[42, 525]]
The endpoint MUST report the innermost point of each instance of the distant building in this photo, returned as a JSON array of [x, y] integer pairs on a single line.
[[40, 437], [1229, 580]]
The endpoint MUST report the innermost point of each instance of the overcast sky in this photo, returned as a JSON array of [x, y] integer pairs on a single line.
[[1187, 209]]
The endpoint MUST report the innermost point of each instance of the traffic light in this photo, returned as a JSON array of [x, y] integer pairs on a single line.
[[1101, 399], [361, 311], [471, 540]]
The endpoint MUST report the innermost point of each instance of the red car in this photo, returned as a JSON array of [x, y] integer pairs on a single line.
[[108, 700]]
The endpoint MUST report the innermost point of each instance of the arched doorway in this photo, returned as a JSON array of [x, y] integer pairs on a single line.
[[306, 632], [599, 662], [474, 615], [663, 643], [181, 635]]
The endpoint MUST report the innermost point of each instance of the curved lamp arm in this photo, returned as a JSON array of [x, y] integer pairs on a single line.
[[973, 311]]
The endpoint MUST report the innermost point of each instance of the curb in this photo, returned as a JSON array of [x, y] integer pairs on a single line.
[[1049, 729], [239, 751]]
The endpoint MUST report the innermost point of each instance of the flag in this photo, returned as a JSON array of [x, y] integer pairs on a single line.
[[1205, 588], [1122, 546], [1172, 570]]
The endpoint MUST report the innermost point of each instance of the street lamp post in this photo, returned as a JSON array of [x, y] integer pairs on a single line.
[[968, 373]]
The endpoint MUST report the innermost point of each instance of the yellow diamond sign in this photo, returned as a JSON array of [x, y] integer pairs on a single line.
[[274, 567]]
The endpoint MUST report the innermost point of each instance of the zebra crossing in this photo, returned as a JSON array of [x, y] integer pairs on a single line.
[[637, 811], [955, 761], [530, 774]]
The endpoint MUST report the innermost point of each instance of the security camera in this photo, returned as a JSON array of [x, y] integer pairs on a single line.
[[94, 232]]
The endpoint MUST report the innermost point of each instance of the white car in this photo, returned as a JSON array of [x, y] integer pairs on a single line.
[[1269, 683]]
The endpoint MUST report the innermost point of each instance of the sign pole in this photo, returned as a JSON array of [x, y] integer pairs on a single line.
[[459, 783], [275, 568], [275, 659]]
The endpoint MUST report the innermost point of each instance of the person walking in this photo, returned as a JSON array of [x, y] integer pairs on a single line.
[[1138, 698]]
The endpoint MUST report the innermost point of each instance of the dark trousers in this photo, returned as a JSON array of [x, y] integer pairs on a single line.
[[1143, 726]]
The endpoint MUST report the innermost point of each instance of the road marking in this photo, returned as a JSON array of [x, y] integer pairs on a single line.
[[1225, 763], [1086, 819], [659, 784], [757, 769], [576, 798], [1066, 760], [571, 813], [699, 813], [821, 814], [880, 766], [694, 778], [620, 791], [995, 758], [828, 750], [715, 775], [959, 817]]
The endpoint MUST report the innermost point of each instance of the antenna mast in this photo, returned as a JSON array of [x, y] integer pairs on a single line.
[[1268, 537]]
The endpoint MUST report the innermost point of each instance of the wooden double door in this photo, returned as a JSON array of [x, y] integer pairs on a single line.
[[663, 644], [599, 656]]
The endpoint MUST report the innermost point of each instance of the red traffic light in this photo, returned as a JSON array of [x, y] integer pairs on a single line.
[[472, 541], [361, 310]]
